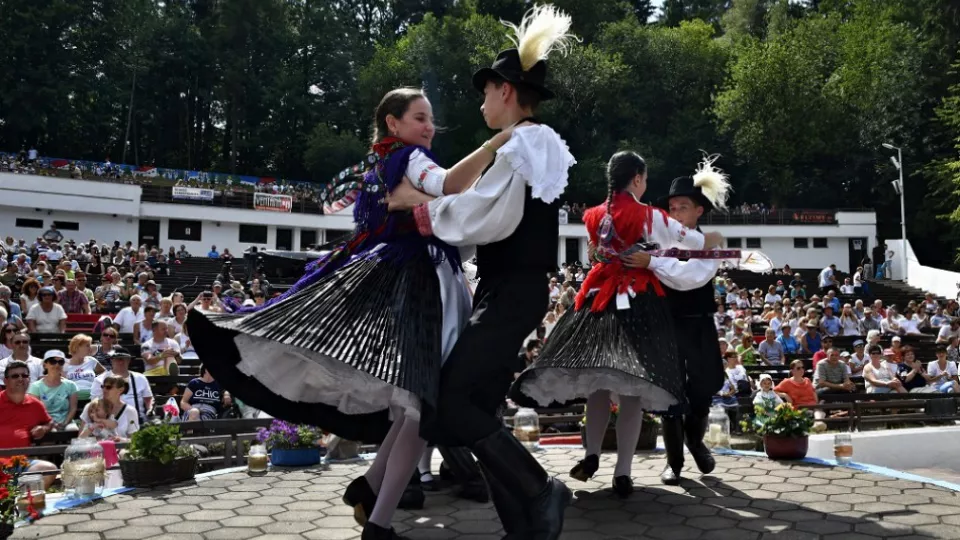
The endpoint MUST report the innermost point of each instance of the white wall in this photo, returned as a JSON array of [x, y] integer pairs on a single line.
[[103, 228], [898, 448], [48, 193], [940, 282]]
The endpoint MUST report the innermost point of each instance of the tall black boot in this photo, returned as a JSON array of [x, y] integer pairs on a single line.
[[695, 427], [509, 508], [673, 442], [466, 473], [542, 498]]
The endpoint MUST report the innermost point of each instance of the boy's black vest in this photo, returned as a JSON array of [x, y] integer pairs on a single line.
[[700, 301], [532, 248]]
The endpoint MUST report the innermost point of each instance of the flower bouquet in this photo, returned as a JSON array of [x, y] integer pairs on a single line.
[[291, 445], [14, 497]]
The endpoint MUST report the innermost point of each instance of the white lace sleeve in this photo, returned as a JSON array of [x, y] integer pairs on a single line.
[[539, 156], [425, 174]]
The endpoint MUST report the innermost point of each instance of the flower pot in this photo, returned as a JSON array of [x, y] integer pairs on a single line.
[[647, 440], [294, 457], [778, 447], [142, 473]]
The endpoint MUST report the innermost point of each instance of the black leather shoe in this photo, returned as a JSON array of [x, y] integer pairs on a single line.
[[586, 468], [623, 486], [672, 427], [695, 428], [474, 490], [372, 531], [542, 498], [361, 497], [669, 477], [413, 497]]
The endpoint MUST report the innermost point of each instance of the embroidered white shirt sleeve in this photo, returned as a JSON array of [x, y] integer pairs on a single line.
[[425, 174], [674, 234], [492, 208], [684, 275]]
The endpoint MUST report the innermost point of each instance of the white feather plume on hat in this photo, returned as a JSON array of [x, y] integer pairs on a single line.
[[713, 183], [542, 30]]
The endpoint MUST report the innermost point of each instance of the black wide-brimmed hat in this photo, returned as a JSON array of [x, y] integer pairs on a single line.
[[507, 66], [683, 187]]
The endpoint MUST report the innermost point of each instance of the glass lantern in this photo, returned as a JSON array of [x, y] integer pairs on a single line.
[[843, 448], [84, 469], [31, 493], [257, 460], [718, 430], [526, 428]]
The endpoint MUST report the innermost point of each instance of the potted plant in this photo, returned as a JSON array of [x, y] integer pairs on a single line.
[[155, 456], [648, 431], [785, 432], [291, 445], [13, 496]]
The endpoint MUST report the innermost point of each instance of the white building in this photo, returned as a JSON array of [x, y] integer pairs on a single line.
[[85, 210]]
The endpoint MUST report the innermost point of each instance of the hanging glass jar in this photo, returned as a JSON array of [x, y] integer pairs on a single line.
[[84, 469], [526, 428], [718, 431]]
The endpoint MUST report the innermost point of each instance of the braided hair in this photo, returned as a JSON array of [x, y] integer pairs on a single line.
[[622, 168]]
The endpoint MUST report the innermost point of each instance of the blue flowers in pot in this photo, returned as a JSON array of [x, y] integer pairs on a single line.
[[291, 445]]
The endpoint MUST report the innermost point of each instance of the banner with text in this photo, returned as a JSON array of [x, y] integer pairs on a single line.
[[193, 194], [272, 203]]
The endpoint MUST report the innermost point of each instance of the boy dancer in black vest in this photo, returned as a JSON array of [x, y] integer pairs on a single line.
[[511, 214], [698, 348]]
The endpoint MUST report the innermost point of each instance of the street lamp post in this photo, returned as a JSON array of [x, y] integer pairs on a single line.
[[898, 163]]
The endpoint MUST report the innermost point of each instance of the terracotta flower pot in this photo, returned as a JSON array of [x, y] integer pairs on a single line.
[[778, 447]]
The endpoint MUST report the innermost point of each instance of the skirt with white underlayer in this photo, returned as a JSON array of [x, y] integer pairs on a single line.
[[348, 352]]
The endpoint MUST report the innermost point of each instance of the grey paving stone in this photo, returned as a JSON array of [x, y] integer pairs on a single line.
[[746, 498]]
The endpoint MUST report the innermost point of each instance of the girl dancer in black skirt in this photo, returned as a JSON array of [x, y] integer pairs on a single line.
[[619, 339], [360, 339]]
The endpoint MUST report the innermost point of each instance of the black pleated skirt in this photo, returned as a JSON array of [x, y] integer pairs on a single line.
[[339, 354], [629, 352]]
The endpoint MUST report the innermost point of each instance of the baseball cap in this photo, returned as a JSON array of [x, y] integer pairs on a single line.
[[53, 354]]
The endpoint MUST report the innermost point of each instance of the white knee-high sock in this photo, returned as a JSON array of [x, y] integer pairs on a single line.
[[406, 451], [375, 473], [424, 465], [598, 416], [629, 423]]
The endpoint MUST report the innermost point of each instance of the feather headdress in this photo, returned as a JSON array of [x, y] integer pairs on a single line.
[[542, 30], [713, 183]]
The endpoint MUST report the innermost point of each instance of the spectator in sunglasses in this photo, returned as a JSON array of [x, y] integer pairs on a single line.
[[21, 353], [58, 394], [47, 317], [23, 418]]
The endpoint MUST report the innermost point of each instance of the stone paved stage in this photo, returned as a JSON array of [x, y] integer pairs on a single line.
[[745, 498]]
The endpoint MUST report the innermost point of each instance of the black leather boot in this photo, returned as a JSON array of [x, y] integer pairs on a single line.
[[509, 508], [542, 498], [695, 427], [372, 531], [413, 497], [361, 497], [466, 473], [673, 442]]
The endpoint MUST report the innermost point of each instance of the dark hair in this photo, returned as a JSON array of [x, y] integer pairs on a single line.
[[532, 344], [15, 364], [117, 382], [203, 369], [874, 349], [395, 103], [622, 168], [527, 97]]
